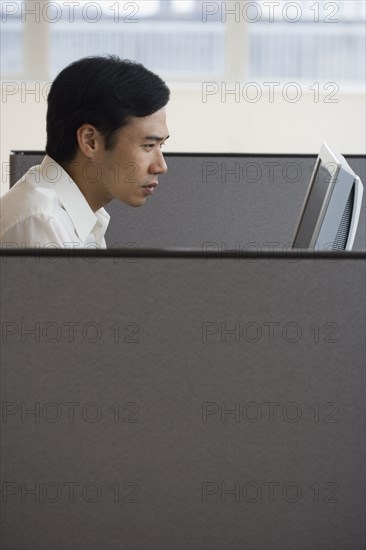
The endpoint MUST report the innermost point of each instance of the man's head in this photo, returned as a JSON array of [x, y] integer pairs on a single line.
[[106, 123]]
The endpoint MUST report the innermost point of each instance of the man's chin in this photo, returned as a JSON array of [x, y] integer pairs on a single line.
[[134, 203]]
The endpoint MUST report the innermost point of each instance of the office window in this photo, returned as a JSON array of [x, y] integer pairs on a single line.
[[12, 39], [304, 40], [167, 36], [191, 40]]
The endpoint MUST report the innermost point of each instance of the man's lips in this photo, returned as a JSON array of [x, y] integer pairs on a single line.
[[149, 189]]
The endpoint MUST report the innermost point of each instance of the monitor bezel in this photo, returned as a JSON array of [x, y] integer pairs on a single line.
[[326, 157]]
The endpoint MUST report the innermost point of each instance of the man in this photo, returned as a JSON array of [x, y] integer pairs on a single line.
[[106, 124]]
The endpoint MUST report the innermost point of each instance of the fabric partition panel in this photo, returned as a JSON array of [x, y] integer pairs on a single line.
[[183, 403]]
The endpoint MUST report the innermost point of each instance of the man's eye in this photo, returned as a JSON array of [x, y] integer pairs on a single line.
[[152, 145]]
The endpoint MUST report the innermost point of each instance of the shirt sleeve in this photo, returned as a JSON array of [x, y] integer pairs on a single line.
[[38, 231]]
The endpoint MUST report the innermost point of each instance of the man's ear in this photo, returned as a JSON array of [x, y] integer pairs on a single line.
[[89, 140]]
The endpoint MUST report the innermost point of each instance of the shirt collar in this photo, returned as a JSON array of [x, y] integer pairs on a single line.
[[74, 202]]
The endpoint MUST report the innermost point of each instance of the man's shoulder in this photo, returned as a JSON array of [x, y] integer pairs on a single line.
[[32, 195]]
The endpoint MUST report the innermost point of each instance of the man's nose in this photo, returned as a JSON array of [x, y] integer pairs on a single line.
[[159, 166]]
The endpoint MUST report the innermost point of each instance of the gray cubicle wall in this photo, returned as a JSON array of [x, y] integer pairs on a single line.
[[179, 402], [243, 202]]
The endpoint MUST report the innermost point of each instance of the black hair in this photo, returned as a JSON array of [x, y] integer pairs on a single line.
[[103, 91]]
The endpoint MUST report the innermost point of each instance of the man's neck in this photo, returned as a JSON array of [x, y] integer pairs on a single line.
[[91, 190]]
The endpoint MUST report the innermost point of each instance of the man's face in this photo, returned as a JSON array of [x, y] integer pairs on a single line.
[[130, 171]]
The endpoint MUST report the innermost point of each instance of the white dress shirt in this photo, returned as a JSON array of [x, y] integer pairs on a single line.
[[46, 209]]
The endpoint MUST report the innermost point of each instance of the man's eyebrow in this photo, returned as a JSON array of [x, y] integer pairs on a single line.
[[156, 138]]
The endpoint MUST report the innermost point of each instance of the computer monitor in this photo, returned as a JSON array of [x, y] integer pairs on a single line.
[[332, 205]]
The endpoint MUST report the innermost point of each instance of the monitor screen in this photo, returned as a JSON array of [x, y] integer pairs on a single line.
[[332, 205], [319, 187]]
